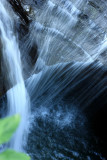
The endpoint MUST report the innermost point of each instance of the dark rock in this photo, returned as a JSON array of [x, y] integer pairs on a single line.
[[93, 4], [33, 54], [17, 7], [83, 16], [34, 3], [3, 106]]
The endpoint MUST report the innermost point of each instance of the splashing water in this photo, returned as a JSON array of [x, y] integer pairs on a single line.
[[65, 84]]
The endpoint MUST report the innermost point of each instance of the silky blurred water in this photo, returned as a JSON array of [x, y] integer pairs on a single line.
[[63, 59], [17, 97]]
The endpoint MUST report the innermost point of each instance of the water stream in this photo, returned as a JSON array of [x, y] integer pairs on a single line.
[[17, 97], [57, 79]]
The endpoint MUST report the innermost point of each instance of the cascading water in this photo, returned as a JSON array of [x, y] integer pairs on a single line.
[[70, 80], [17, 97], [64, 64]]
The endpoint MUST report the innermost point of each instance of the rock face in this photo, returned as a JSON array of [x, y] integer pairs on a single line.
[[17, 7]]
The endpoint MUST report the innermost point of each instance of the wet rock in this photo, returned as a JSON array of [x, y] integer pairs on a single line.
[[23, 24], [33, 54], [93, 4], [3, 104], [17, 7], [83, 16], [34, 3]]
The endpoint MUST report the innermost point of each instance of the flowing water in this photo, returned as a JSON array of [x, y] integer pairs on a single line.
[[66, 83], [17, 97]]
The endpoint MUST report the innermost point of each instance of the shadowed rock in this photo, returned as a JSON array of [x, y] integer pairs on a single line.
[[17, 7]]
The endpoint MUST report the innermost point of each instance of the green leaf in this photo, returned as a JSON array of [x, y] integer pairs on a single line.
[[13, 155], [7, 127]]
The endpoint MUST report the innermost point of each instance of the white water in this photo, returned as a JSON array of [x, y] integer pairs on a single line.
[[60, 38], [61, 35], [17, 97]]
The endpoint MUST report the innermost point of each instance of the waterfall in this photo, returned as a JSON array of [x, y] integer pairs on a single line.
[[17, 96], [64, 32], [62, 55], [68, 80]]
